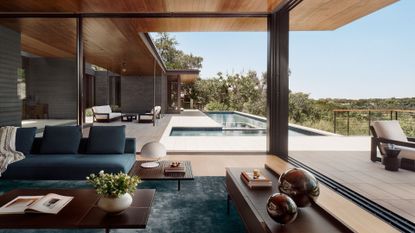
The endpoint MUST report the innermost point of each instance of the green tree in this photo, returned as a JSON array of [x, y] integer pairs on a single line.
[[172, 56]]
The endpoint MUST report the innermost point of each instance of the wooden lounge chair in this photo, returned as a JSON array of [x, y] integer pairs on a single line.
[[390, 132], [151, 116], [104, 114]]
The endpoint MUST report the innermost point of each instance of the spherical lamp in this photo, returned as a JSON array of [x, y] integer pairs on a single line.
[[152, 151]]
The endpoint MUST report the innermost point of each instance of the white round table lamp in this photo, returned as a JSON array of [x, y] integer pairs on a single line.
[[154, 151]]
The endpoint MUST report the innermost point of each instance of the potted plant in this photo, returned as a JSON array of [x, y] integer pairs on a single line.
[[115, 190]]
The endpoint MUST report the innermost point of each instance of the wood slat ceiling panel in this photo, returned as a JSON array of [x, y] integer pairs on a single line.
[[94, 6], [331, 14], [308, 15], [108, 43], [200, 24]]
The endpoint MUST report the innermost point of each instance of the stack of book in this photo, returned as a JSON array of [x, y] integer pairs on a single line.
[[175, 168], [255, 181]]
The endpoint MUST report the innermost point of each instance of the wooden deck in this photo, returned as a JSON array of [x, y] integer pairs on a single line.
[[393, 190]]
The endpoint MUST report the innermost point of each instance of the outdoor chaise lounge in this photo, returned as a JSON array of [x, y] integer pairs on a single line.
[[150, 116], [104, 114], [390, 132]]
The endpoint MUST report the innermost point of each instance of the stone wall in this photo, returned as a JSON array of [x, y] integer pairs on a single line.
[[137, 93], [53, 81], [10, 62]]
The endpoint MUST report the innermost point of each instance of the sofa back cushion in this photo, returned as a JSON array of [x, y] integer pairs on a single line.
[[24, 139], [61, 140], [102, 109], [106, 140]]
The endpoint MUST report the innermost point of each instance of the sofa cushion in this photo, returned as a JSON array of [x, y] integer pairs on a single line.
[[61, 140], [106, 140], [24, 139], [67, 166]]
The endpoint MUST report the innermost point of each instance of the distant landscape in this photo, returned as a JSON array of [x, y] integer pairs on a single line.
[[247, 93]]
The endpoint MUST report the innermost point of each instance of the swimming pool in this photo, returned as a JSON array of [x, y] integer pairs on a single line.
[[235, 124]]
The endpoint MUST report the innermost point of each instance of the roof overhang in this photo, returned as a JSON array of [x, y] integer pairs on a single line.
[[115, 31], [196, 15], [186, 76]]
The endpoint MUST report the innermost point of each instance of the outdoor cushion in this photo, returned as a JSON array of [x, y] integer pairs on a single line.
[[61, 140], [67, 166], [102, 109], [389, 130], [106, 140], [115, 114], [406, 152], [24, 139]]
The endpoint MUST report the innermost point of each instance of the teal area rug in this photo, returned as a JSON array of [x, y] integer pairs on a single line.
[[199, 207]]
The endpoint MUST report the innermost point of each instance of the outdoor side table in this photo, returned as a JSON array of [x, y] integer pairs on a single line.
[[391, 159]]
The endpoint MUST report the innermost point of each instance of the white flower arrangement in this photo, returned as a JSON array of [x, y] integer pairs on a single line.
[[113, 185]]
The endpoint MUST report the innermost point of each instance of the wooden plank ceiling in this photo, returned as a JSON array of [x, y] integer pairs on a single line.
[[111, 42]]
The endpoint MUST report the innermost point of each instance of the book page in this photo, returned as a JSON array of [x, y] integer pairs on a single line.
[[19, 204], [51, 204]]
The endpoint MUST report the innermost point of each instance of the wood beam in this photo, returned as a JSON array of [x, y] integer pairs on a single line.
[[277, 83]]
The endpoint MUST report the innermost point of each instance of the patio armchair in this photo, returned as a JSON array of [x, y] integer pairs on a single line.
[[149, 117], [390, 132], [104, 114]]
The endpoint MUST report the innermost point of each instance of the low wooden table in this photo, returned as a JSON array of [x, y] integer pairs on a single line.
[[81, 212], [158, 172], [251, 205]]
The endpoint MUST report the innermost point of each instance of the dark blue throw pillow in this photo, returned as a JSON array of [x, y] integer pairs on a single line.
[[61, 140], [106, 140], [24, 139]]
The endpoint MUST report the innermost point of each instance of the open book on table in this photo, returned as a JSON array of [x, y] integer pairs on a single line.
[[48, 204]]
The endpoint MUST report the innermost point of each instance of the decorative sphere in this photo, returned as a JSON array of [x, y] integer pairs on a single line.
[[300, 185], [282, 208], [153, 150]]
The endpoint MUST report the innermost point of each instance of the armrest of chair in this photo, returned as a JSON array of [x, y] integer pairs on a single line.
[[411, 139], [398, 143], [146, 114]]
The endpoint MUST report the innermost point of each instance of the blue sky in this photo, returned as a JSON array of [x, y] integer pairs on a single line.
[[371, 57]]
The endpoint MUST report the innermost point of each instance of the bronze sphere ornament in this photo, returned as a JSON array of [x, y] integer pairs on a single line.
[[300, 185], [282, 208]]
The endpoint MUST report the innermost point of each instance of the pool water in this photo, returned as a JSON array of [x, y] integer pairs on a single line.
[[233, 124]]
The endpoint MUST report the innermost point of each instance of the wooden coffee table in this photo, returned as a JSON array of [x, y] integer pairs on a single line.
[[158, 172], [81, 212]]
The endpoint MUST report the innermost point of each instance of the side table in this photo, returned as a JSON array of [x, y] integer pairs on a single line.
[[391, 160]]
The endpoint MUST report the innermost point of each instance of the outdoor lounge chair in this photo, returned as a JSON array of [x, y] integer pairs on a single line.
[[104, 114], [390, 132], [149, 117]]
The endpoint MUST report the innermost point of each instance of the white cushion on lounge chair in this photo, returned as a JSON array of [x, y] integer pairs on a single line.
[[146, 117], [102, 109], [389, 130], [406, 152], [115, 115]]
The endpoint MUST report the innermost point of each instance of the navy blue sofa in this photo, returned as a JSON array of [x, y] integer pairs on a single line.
[[38, 166]]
